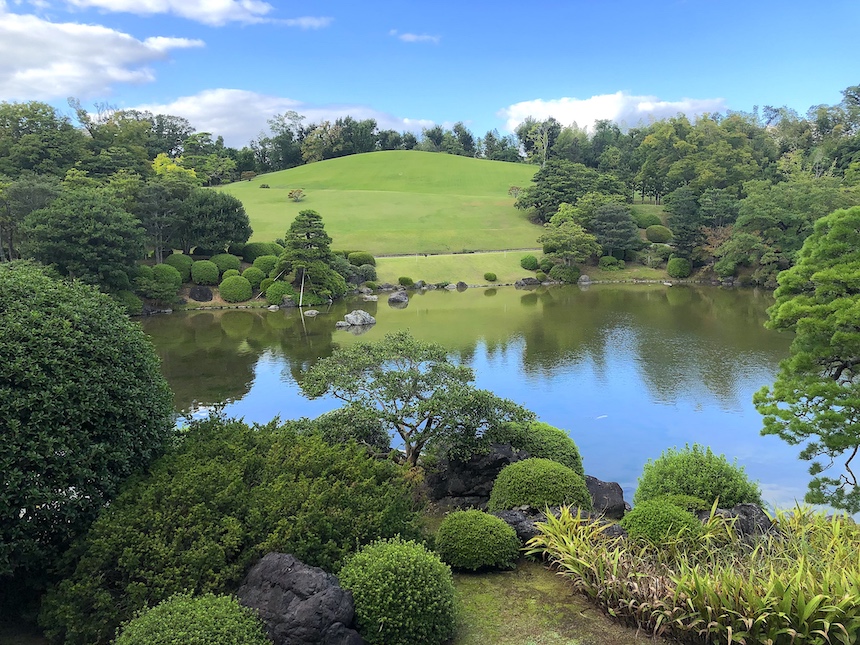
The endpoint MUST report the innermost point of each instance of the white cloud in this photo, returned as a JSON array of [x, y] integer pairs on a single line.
[[43, 60], [415, 38], [210, 12], [240, 115], [308, 22], [620, 107]]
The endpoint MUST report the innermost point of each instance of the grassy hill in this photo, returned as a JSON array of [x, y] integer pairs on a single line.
[[397, 202]]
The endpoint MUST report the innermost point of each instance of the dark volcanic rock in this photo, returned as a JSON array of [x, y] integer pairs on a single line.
[[398, 297], [299, 604], [200, 293], [608, 497], [473, 478], [749, 519]]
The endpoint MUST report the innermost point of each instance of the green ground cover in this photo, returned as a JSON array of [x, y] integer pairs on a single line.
[[656, 209], [397, 202]]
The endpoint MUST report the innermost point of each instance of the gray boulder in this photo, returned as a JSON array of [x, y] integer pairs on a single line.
[[310, 313], [359, 318], [457, 483], [527, 282], [365, 290], [370, 298], [462, 286], [299, 604], [583, 279], [200, 293], [749, 519], [451, 287], [398, 297], [608, 497]]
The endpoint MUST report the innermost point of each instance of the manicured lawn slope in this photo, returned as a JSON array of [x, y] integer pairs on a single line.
[[396, 202]]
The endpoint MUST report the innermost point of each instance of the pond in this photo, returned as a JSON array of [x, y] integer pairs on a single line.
[[628, 370]]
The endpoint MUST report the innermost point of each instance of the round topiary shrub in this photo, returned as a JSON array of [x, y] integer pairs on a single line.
[[266, 263], [131, 303], [366, 273], [540, 276], [265, 283], [167, 274], [204, 272], [610, 263], [644, 220], [235, 289], [254, 276], [562, 273], [204, 620], [181, 263], [679, 267], [658, 520], [358, 258], [538, 483], [476, 540], [277, 290], [226, 261], [370, 284], [698, 472], [529, 263], [546, 264], [658, 233], [254, 250], [405, 281], [489, 276], [229, 273], [403, 594], [539, 440]]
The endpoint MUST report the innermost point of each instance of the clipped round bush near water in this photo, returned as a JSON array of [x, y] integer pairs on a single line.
[[266, 263], [609, 263], [658, 520], [129, 301], [253, 250], [644, 220], [276, 291], [226, 261], [476, 540], [204, 620], [181, 263], [679, 267], [254, 276], [358, 258], [698, 472], [539, 440], [538, 483], [546, 265], [366, 273], [489, 276], [405, 281], [370, 284], [540, 276], [167, 274], [403, 594], [265, 283], [658, 233], [205, 272], [563, 273], [229, 273], [529, 263], [235, 289]]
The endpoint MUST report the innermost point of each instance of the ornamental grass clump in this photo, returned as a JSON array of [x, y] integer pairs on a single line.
[[538, 483], [476, 540], [797, 586]]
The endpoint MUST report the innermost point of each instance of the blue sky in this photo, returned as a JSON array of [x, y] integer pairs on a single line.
[[228, 65]]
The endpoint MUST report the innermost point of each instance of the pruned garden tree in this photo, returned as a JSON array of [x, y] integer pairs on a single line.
[[416, 392], [815, 400], [568, 243], [212, 220], [308, 257]]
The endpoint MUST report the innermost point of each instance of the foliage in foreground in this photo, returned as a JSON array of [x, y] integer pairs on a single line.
[[83, 406], [698, 472], [800, 586], [403, 594], [657, 519], [227, 495], [185, 620], [476, 540], [538, 483]]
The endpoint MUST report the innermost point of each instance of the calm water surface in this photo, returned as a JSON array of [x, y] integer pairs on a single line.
[[627, 370]]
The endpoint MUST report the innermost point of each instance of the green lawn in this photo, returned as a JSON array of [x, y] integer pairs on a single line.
[[657, 209], [397, 202], [468, 267]]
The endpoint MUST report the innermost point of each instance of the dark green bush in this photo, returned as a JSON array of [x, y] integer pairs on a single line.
[[353, 423], [366, 273], [235, 288], [358, 258], [181, 263], [266, 263], [541, 276], [185, 620], [254, 250], [206, 511], [538, 483], [679, 267], [277, 290], [370, 284], [687, 502], [265, 283], [205, 272], [403, 594], [563, 273], [539, 440], [644, 220], [475, 540], [658, 520], [161, 285], [529, 263], [167, 274], [143, 271], [229, 273], [405, 281], [489, 276], [610, 263], [698, 472], [131, 303], [237, 248], [546, 264], [226, 261], [658, 233], [254, 276]]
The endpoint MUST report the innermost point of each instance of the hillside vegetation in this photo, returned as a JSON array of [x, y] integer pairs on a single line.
[[397, 202]]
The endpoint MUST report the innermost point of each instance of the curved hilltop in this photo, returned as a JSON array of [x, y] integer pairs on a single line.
[[397, 202]]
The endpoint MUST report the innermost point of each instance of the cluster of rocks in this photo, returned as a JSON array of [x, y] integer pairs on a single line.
[[356, 321]]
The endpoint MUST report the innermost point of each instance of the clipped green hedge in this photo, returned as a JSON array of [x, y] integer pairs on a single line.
[[539, 440], [475, 540], [276, 291], [489, 276], [205, 272], [235, 288], [538, 483], [229, 273], [358, 258], [405, 281], [562, 273], [658, 234], [403, 594], [266, 263], [167, 274], [679, 267], [181, 263], [225, 261], [254, 250], [657, 520], [540, 276], [610, 263], [529, 263], [698, 472], [254, 276], [204, 620]]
